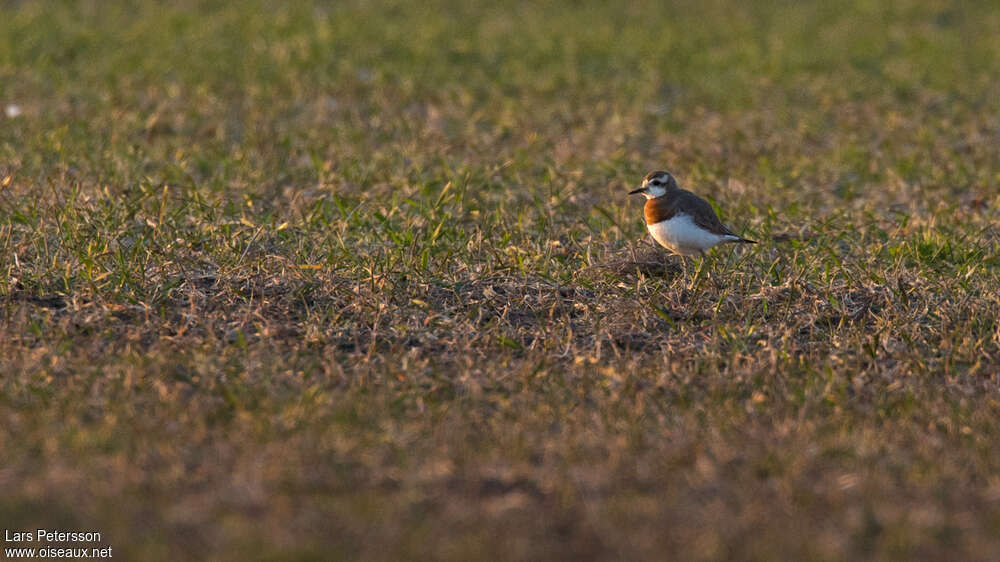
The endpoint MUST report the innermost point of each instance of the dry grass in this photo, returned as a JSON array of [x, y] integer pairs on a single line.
[[306, 283]]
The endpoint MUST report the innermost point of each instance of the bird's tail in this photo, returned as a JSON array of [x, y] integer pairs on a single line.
[[741, 240]]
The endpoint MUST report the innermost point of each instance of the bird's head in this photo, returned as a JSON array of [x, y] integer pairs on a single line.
[[656, 184]]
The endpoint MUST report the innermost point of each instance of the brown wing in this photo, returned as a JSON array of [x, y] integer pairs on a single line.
[[683, 201]]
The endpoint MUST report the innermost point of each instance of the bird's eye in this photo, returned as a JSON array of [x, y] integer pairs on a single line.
[[656, 182]]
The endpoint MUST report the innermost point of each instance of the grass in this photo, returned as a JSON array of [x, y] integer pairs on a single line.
[[315, 281]]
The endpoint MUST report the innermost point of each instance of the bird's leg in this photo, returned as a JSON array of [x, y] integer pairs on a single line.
[[667, 263], [688, 282], [701, 265]]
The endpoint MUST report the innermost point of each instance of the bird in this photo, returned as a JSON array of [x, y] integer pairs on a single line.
[[679, 220]]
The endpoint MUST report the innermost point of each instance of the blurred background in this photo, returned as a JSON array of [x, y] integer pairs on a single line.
[[264, 95]]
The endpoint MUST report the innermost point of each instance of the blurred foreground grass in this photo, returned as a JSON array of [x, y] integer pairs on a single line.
[[361, 280]]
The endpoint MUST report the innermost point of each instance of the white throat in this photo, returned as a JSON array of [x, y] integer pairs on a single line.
[[654, 191]]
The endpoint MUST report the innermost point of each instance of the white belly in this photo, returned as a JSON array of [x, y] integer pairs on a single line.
[[681, 236]]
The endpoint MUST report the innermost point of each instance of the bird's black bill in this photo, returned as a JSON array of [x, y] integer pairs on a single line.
[[640, 190]]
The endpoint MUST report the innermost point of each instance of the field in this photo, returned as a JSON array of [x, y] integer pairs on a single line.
[[362, 280]]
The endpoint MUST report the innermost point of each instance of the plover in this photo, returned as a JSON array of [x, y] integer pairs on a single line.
[[679, 220]]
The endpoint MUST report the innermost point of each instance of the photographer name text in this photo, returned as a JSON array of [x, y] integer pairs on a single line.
[[46, 535]]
